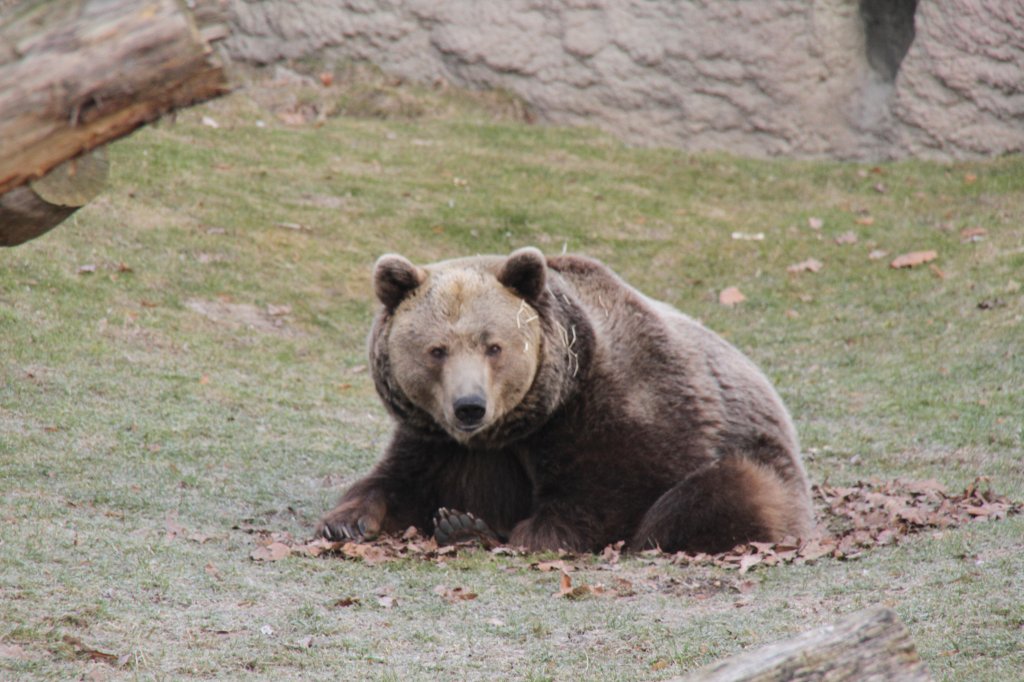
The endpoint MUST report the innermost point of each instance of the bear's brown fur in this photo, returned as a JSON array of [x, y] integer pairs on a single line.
[[565, 409]]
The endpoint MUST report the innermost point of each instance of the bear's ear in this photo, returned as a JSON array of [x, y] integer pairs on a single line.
[[394, 278], [525, 272]]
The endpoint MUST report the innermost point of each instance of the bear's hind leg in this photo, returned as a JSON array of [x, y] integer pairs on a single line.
[[724, 504]]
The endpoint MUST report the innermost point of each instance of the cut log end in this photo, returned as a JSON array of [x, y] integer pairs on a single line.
[[31, 210]]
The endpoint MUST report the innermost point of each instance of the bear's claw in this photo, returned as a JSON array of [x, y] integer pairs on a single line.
[[343, 531], [451, 526]]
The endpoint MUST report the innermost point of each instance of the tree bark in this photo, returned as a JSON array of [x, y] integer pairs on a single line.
[[75, 75], [868, 645]]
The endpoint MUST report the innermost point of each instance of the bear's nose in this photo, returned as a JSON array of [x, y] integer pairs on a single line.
[[470, 410]]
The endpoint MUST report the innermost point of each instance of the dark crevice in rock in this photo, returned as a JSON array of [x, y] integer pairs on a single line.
[[888, 33]]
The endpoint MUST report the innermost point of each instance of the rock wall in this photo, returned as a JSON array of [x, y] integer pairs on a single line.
[[854, 79], [960, 93]]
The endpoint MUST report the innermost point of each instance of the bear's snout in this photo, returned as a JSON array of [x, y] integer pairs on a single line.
[[470, 411]]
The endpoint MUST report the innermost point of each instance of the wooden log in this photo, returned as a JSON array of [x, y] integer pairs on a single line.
[[76, 75], [28, 211], [870, 645]]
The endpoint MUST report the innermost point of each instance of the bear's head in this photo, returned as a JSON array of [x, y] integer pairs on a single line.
[[460, 342]]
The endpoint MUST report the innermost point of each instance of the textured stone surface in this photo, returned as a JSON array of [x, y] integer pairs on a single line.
[[754, 77], [960, 92]]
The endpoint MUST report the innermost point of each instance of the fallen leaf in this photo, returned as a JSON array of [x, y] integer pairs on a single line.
[[660, 664], [267, 630], [973, 234], [886, 537], [745, 586], [815, 223], [275, 551], [212, 571], [386, 602], [878, 254], [909, 260], [865, 220], [411, 533], [623, 588], [370, 553], [846, 238], [226, 633], [809, 265], [210, 123], [454, 594], [564, 584], [970, 178], [748, 236], [326, 78], [304, 643], [85, 651], [86, 269], [568, 591], [319, 546], [557, 565], [612, 553], [749, 561], [881, 187], [292, 118], [731, 296], [346, 602]]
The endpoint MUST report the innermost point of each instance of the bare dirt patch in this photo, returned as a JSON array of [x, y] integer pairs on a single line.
[[269, 320]]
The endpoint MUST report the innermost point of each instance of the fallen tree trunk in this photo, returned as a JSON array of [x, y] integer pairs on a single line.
[[868, 645], [74, 76]]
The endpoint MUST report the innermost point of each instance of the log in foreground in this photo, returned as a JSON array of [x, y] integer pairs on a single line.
[[868, 645], [76, 75]]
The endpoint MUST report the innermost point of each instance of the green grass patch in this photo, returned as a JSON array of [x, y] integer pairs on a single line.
[[209, 375]]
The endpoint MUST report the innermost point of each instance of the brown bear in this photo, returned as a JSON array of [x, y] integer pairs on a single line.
[[559, 408]]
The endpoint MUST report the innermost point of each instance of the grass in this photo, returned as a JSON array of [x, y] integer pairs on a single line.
[[141, 438]]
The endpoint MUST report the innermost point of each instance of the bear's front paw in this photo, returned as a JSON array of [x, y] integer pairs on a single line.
[[452, 526], [349, 522]]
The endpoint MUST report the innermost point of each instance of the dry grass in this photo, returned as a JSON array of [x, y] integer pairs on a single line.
[[144, 442]]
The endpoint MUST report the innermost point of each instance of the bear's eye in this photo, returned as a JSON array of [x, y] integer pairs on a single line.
[[439, 352], [493, 350]]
